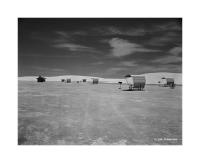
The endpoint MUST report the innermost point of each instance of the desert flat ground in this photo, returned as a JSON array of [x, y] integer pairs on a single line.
[[54, 113]]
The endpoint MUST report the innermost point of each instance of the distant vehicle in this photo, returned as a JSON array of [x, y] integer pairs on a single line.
[[62, 80], [120, 85], [68, 80], [41, 79], [95, 80], [84, 80], [135, 82], [167, 82], [170, 82]]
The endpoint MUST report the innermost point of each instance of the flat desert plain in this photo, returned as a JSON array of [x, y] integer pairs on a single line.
[[55, 113]]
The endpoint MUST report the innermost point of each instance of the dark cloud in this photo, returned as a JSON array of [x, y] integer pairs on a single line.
[[105, 47]]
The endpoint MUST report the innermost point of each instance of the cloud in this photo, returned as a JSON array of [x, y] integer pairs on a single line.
[[175, 51], [97, 63], [67, 40], [175, 26], [68, 34], [165, 34], [168, 60], [164, 39], [159, 41], [62, 34], [172, 57], [126, 32], [112, 30], [121, 47], [128, 63], [138, 31], [73, 47]]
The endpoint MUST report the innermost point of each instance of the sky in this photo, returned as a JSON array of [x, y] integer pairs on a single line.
[[103, 47]]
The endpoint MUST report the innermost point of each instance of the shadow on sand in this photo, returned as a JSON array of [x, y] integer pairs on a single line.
[[131, 90]]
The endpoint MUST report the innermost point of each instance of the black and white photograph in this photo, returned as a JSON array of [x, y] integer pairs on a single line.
[[99, 81]]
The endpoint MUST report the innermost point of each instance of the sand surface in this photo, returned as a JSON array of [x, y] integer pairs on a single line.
[[84, 114]]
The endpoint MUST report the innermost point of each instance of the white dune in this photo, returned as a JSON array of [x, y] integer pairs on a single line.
[[151, 78]]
